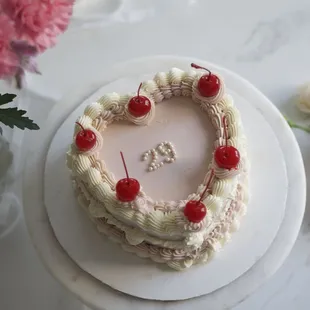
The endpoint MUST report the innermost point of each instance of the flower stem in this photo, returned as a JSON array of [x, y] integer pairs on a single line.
[[19, 76], [294, 125]]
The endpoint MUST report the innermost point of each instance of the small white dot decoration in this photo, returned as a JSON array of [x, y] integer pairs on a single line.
[[166, 150]]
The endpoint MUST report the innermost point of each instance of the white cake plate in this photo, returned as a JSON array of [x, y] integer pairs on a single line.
[[128, 273], [102, 297]]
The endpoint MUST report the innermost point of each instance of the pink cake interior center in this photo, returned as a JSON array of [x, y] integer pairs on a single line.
[[179, 121]]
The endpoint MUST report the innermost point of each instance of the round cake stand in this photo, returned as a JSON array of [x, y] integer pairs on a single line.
[[97, 295]]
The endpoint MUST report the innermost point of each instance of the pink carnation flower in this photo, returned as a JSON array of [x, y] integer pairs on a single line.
[[38, 22], [9, 61]]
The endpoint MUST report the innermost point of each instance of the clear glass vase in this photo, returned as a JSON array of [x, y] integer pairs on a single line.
[[10, 208], [11, 164]]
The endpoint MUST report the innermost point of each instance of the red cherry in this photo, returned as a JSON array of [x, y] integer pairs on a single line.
[[209, 84], [85, 139], [127, 189], [139, 105], [227, 157], [195, 211]]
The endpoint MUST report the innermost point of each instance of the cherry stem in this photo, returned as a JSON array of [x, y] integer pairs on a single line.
[[125, 167], [139, 89], [83, 129], [198, 67], [209, 181], [225, 130]]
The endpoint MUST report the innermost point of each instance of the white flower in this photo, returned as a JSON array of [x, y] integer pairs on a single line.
[[303, 98]]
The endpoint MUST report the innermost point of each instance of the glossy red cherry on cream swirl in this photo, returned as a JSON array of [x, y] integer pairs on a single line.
[[226, 156], [128, 188], [209, 84], [195, 211], [85, 139], [139, 106]]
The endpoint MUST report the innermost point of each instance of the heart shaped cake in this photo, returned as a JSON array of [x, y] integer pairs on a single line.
[[178, 233]]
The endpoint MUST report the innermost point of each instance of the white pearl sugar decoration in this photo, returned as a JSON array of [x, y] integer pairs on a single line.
[[165, 149]]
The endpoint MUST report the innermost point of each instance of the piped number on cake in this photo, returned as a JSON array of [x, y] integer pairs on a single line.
[[167, 152]]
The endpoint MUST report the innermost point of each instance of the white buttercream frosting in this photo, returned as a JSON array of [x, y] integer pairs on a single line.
[[175, 77], [187, 83], [152, 88], [162, 81], [93, 110], [85, 121]]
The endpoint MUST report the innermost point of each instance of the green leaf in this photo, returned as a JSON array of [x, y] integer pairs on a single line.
[[6, 98], [13, 117]]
